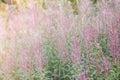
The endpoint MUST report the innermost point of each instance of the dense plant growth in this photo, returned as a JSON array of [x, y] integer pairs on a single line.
[[60, 40]]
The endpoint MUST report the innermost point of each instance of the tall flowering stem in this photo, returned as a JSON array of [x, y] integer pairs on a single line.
[[114, 44]]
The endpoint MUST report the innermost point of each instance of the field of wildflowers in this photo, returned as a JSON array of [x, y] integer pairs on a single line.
[[60, 40]]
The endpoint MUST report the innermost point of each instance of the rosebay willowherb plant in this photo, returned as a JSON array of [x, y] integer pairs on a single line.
[[60, 40]]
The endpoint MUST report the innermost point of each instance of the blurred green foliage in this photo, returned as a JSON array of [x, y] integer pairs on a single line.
[[1, 0], [56, 68], [74, 6], [102, 40], [94, 1]]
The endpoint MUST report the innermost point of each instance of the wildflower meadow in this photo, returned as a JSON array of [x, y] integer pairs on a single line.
[[59, 39]]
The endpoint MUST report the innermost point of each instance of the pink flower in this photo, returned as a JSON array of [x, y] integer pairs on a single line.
[[105, 63], [75, 55], [83, 75], [25, 60], [89, 36], [113, 43]]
